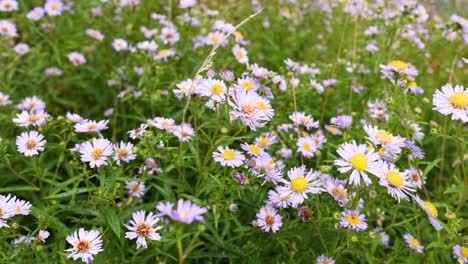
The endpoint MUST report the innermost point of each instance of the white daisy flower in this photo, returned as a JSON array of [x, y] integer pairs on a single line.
[[76, 58], [229, 157], [96, 153], [358, 159], [25, 119], [452, 100], [142, 227], [124, 152], [268, 220], [85, 244], [397, 182], [89, 126], [301, 183], [30, 143]]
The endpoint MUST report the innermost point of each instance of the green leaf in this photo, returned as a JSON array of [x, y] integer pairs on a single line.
[[19, 188], [71, 192], [112, 220]]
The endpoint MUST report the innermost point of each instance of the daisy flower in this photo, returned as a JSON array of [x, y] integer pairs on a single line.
[[123, 152], [415, 177], [54, 7], [85, 244], [397, 182], [138, 132], [169, 35], [7, 208], [21, 48], [250, 108], [8, 5], [306, 146], [335, 187], [431, 212], [389, 142], [275, 199], [22, 207], [120, 44], [96, 153], [302, 119], [4, 99], [352, 219], [162, 123], [35, 14], [240, 54], [89, 126], [252, 149], [301, 183], [461, 253], [186, 212], [359, 160], [185, 88], [183, 132], [32, 104], [7, 28], [322, 259], [452, 100], [163, 54], [228, 157], [342, 121], [215, 38], [268, 219], [142, 227], [135, 189], [30, 143], [413, 243], [398, 67], [42, 235], [266, 140], [95, 34], [215, 89], [76, 58], [36, 118]]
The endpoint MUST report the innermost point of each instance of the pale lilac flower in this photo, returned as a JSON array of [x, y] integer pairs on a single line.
[[228, 157], [97, 152], [54, 7], [35, 14], [452, 100], [353, 219], [76, 58], [142, 227], [268, 219], [85, 244], [413, 243], [135, 189], [89, 126], [186, 211], [30, 143]]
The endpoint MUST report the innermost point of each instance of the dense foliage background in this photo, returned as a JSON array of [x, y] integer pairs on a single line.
[[328, 36]]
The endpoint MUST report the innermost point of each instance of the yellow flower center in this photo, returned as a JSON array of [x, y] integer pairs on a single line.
[[262, 106], [83, 246], [269, 220], [54, 7], [412, 85], [97, 153], [339, 192], [33, 118], [464, 252], [183, 213], [381, 151], [333, 129], [399, 65], [459, 100], [413, 242], [30, 144], [384, 137], [248, 109], [395, 179], [216, 89], [254, 149], [353, 219], [215, 38], [239, 35], [240, 54], [143, 229], [247, 86], [263, 142], [135, 187], [359, 162], [163, 52], [307, 147], [228, 154], [431, 208], [299, 184], [123, 153]]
